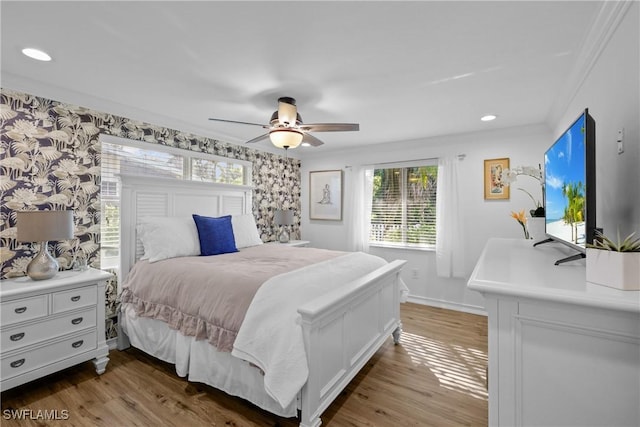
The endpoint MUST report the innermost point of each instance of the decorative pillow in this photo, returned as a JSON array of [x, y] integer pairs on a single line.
[[245, 231], [215, 234], [168, 237]]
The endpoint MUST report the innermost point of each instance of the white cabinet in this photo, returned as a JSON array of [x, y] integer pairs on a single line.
[[51, 325], [562, 351]]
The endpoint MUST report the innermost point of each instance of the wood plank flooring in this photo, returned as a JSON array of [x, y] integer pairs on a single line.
[[435, 377]]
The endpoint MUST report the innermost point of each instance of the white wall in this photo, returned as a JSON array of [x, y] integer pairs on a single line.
[[482, 219], [608, 84], [611, 91]]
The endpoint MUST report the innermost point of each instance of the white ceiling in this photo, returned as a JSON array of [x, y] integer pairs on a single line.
[[403, 70]]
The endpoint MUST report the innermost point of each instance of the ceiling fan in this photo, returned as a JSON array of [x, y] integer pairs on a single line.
[[286, 129]]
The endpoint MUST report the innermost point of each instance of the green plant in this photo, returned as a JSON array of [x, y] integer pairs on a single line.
[[629, 244]]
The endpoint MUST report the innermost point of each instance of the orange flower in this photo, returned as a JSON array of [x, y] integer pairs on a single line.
[[522, 220], [520, 217]]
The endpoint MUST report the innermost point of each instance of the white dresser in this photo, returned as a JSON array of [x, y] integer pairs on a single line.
[[50, 325], [562, 351]]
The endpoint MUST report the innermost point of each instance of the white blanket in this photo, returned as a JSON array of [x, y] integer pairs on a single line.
[[271, 334]]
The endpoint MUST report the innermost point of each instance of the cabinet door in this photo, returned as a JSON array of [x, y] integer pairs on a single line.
[[571, 371]]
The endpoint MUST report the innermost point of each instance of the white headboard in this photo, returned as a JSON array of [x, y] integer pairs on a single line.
[[152, 196]]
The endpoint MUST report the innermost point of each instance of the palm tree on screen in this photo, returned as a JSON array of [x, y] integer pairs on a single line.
[[574, 210]]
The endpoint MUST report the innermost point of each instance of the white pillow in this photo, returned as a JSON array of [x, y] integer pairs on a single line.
[[168, 237], [245, 231]]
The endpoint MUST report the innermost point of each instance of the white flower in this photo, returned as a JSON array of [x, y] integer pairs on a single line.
[[509, 176]]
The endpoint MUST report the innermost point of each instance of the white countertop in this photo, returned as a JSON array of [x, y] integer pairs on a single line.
[[23, 285], [514, 267]]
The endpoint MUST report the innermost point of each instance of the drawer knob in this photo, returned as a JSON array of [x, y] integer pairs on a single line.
[[76, 298], [17, 363], [76, 321], [20, 310], [17, 337], [77, 344]]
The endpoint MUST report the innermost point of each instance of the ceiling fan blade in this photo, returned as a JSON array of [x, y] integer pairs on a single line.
[[258, 138], [330, 127], [242, 123], [311, 140]]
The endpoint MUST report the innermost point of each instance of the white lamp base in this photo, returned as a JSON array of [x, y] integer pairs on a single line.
[[43, 266]]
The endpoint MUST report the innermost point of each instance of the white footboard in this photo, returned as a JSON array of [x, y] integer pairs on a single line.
[[342, 331]]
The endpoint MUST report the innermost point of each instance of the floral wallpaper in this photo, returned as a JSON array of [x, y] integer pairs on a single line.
[[50, 160]]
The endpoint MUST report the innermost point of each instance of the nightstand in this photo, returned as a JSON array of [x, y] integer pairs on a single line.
[[50, 325], [296, 243]]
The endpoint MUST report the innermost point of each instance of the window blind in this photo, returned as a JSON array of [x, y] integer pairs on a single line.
[[404, 206]]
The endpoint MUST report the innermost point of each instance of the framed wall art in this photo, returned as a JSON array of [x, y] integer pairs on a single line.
[[325, 195], [494, 188]]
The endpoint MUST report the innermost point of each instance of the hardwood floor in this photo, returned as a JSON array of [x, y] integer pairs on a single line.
[[435, 377]]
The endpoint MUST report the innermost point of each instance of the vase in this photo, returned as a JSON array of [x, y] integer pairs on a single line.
[[620, 270], [536, 228]]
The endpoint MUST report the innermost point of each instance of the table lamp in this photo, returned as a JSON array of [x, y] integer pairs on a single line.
[[284, 218], [44, 226]]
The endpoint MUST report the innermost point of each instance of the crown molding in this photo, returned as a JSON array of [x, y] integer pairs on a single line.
[[601, 30]]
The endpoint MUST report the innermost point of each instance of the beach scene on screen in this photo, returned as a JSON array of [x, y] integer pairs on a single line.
[[565, 181]]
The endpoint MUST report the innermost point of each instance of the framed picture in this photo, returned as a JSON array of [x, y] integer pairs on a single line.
[[325, 195], [494, 189]]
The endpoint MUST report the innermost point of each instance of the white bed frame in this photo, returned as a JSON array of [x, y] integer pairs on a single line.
[[342, 329]]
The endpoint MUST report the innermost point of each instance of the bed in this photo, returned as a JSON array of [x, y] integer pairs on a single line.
[[323, 333]]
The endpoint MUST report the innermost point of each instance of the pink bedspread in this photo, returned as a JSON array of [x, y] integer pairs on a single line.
[[207, 296]]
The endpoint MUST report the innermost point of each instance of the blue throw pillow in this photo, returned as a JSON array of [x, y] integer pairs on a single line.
[[215, 234]]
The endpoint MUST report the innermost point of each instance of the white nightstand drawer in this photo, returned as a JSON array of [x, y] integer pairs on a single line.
[[24, 335], [74, 298], [38, 357], [24, 309]]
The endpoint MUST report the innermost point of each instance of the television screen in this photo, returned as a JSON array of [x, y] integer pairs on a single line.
[[570, 185]]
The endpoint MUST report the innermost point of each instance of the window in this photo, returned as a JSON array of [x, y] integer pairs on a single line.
[[137, 158], [208, 170], [403, 211]]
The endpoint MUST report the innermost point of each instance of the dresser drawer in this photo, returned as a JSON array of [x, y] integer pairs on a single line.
[[49, 328], [74, 298], [38, 357], [24, 309]]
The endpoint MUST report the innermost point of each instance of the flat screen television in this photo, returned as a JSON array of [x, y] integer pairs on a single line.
[[570, 186]]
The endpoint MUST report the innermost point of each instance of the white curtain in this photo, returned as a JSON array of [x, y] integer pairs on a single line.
[[449, 232], [359, 207]]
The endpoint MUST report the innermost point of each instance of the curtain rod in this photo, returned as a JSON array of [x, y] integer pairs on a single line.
[[460, 156]]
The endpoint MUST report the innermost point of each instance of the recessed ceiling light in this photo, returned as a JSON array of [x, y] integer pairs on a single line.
[[306, 144], [36, 54], [488, 117]]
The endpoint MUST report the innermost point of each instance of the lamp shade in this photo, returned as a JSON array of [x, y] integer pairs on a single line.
[[284, 217], [285, 138], [44, 226]]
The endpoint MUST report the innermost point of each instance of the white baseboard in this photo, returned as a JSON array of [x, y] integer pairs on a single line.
[[473, 309]]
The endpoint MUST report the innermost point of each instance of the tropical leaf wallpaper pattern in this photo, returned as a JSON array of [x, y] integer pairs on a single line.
[[50, 159]]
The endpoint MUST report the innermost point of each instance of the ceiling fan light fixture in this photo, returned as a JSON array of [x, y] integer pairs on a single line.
[[286, 138], [287, 111]]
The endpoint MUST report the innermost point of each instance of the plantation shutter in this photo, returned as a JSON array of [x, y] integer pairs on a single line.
[[116, 159], [124, 156]]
